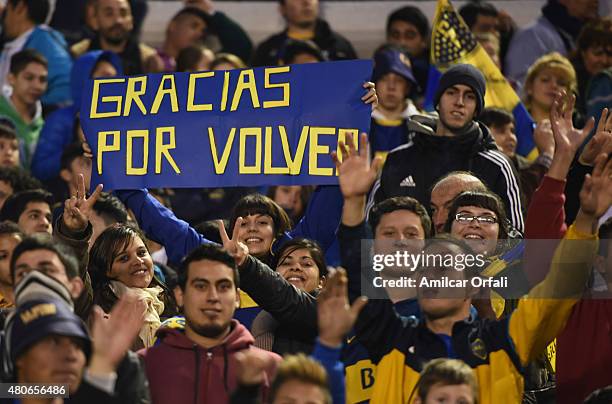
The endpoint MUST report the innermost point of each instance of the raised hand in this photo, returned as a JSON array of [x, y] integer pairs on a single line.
[[544, 138], [78, 208], [567, 138], [596, 192], [356, 174], [237, 249], [87, 153], [251, 366], [113, 336], [335, 316], [370, 97], [601, 141]]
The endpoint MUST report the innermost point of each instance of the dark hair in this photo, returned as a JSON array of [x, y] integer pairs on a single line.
[[110, 209], [318, 256], [605, 237], [16, 203], [109, 58], [411, 15], [7, 132], [482, 199], [210, 252], [449, 239], [470, 11], [446, 372], [305, 194], [18, 179], [210, 230], [38, 10], [109, 244], [258, 204], [46, 242], [597, 32], [196, 12], [21, 59], [600, 396], [295, 47], [189, 57], [7, 227], [400, 203], [495, 117], [71, 152]]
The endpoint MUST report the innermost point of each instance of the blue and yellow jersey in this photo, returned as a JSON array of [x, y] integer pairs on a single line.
[[497, 351], [386, 135], [359, 370]]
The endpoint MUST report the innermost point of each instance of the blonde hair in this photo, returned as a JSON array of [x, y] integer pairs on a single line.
[[228, 58], [303, 369], [446, 372], [553, 60]]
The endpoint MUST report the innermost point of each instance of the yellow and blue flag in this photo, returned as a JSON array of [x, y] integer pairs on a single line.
[[452, 42]]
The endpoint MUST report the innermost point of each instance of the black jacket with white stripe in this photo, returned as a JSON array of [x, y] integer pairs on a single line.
[[413, 168]]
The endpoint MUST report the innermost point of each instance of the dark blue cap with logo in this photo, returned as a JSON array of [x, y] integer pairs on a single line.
[[39, 318], [393, 60]]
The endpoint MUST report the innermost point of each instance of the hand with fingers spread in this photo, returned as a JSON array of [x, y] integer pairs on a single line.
[[113, 336], [237, 249], [371, 97], [567, 138], [601, 141], [78, 208], [596, 192], [336, 316], [356, 174]]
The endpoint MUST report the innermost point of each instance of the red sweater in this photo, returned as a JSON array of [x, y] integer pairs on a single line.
[[584, 347], [179, 371]]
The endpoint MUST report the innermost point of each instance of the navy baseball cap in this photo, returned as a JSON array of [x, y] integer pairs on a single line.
[[393, 60], [37, 319]]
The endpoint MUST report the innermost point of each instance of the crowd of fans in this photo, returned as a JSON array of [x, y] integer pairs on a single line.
[[247, 295]]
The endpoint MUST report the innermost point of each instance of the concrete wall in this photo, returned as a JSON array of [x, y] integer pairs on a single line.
[[362, 22]]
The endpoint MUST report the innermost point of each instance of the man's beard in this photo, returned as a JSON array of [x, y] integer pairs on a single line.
[[210, 330], [115, 39], [306, 24]]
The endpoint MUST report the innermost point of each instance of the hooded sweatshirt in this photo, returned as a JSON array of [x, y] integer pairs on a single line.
[[413, 168], [180, 371], [58, 131]]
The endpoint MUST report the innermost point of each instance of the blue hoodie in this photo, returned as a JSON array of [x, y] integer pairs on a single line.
[[58, 131], [52, 45]]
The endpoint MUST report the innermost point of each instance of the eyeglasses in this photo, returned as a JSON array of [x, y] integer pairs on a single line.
[[465, 218]]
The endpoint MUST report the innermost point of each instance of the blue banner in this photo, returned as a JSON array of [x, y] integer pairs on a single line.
[[250, 127]]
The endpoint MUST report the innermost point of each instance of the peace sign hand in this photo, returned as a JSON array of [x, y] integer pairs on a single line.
[[78, 208], [237, 249]]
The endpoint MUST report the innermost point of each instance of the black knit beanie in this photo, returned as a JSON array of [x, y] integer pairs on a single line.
[[467, 75]]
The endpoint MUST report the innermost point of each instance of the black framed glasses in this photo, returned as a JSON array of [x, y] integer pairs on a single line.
[[466, 218]]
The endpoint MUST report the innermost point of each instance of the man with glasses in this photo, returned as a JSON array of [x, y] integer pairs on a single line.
[[497, 351]]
